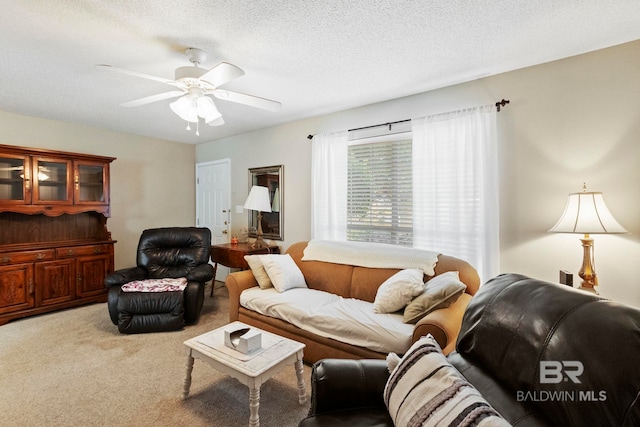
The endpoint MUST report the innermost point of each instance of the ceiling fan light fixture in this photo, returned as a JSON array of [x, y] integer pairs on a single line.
[[216, 122], [185, 108], [193, 86], [207, 109]]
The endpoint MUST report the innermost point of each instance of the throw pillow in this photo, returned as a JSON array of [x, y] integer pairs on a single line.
[[398, 290], [392, 361], [283, 272], [258, 271], [166, 284], [426, 390], [440, 292]]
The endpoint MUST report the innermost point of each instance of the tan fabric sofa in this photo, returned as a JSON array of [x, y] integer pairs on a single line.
[[353, 282]]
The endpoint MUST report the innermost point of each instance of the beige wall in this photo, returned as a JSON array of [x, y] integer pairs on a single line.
[[152, 180], [569, 121]]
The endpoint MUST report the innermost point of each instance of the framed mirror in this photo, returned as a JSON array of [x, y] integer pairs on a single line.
[[271, 177]]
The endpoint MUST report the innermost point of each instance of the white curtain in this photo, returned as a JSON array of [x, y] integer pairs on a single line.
[[329, 154], [455, 187]]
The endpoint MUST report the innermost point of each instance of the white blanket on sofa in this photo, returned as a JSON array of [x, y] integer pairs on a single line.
[[328, 315], [372, 255]]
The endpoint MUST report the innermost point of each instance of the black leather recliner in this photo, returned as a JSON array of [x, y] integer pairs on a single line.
[[171, 252], [512, 324]]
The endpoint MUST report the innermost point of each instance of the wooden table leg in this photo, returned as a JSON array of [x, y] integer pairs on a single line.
[[302, 391], [254, 406], [187, 377], [213, 282]]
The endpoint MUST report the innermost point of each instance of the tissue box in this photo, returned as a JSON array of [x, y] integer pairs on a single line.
[[245, 340]]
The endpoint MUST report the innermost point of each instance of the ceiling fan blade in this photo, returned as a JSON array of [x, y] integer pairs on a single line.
[[153, 98], [252, 101], [217, 122], [137, 74], [221, 74]]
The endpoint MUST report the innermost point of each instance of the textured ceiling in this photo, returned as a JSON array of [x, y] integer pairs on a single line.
[[314, 57]]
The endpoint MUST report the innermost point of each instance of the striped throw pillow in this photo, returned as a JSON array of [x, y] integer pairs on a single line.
[[426, 390]]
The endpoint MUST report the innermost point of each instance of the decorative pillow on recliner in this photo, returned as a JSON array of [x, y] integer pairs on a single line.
[[440, 292], [166, 284], [398, 290], [426, 390], [255, 264], [283, 272]]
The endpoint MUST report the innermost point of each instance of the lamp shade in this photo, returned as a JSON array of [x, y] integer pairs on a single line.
[[258, 199], [586, 213], [275, 205]]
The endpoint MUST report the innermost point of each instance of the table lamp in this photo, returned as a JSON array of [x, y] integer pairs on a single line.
[[258, 200], [586, 213]]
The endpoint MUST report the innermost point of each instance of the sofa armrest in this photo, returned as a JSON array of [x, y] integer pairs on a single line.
[[125, 275], [236, 283], [444, 324], [340, 384]]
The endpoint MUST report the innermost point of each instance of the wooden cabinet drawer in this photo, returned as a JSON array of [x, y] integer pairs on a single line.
[[74, 251], [26, 256]]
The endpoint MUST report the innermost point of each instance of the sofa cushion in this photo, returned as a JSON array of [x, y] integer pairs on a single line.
[[283, 272], [398, 290], [518, 412], [257, 268], [426, 390], [440, 292], [347, 320]]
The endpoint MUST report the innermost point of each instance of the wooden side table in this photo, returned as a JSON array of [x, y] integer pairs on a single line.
[[232, 255]]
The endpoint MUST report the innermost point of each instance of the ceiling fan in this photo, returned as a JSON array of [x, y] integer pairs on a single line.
[[194, 85]]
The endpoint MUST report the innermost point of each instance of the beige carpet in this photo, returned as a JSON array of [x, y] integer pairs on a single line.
[[73, 368]]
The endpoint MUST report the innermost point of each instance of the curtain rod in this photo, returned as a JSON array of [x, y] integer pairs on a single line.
[[501, 104], [498, 104], [389, 124]]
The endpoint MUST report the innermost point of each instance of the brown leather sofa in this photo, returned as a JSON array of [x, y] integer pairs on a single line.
[[352, 282], [512, 325]]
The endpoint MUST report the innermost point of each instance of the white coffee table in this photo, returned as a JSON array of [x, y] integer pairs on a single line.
[[251, 370]]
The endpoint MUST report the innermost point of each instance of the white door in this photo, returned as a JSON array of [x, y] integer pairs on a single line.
[[213, 202]]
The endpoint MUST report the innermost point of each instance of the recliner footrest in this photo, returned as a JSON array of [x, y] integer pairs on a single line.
[[140, 312]]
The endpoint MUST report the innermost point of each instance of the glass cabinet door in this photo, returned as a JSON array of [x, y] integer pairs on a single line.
[[90, 183], [52, 181], [14, 179]]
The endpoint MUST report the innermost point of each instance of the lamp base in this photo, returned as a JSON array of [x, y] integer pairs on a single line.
[[259, 243], [587, 272], [588, 289]]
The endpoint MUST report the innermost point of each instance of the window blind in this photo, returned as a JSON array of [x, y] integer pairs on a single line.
[[379, 192]]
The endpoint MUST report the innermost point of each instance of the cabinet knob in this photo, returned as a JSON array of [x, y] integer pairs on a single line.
[[5, 260], [97, 250], [70, 252], [40, 256]]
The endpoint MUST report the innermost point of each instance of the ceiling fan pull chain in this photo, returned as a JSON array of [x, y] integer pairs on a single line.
[[198, 128], [188, 125]]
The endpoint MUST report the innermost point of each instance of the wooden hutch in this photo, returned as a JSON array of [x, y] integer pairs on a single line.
[[55, 249]]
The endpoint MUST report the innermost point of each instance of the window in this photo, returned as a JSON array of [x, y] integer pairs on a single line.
[[379, 192], [430, 184]]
